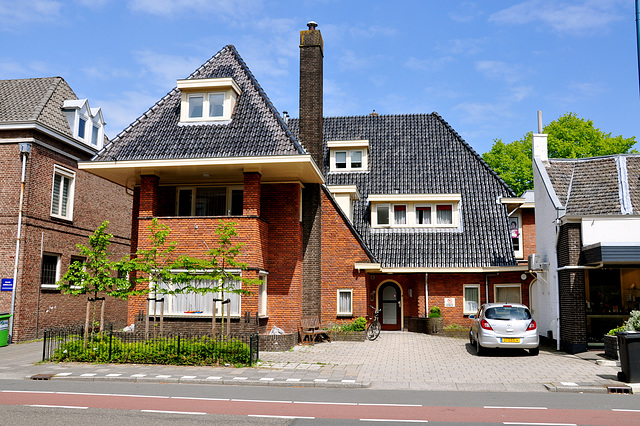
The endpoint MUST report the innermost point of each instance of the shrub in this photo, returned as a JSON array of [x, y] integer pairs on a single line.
[[633, 323], [435, 312], [613, 331], [358, 324]]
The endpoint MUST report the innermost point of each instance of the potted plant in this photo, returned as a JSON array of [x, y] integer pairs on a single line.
[[434, 321], [629, 349]]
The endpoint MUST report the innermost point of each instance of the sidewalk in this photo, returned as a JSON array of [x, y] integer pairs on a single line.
[[396, 360]]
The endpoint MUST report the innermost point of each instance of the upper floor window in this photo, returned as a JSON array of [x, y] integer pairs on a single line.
[[209, 201], [211, 99], [415, 210], [86, 123], [515, 232], [62, 193], [347, 156]]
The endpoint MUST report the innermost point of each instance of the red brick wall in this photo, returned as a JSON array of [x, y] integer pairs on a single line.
[[95, 200], [340, 250], [251, 194], [528, 232]]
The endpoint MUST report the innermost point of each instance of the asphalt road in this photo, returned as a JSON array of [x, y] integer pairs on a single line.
[[55, 402]]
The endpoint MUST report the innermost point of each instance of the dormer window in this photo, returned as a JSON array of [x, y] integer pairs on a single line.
[[86, 123], [348, 156], [207, 100], [415, 210]]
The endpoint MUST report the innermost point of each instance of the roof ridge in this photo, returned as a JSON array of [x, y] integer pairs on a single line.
[[264, 96], [473, 152], [573, 173], [47, 97]]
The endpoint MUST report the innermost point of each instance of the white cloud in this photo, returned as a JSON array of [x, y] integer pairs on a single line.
[[465, 12], [418, 64], [166, 69], [104, 72], [233, 9], [573, 17], [467, 46], [499, 70], [14, 14], [352, 61]]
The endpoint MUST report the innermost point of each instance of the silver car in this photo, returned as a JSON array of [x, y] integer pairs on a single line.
[[504, 325]]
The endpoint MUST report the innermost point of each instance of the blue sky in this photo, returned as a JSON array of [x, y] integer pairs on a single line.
[[485, 66]]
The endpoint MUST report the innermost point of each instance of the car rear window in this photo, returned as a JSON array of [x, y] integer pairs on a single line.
[[507, 313]]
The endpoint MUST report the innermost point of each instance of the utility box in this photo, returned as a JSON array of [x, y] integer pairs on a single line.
[[629, 348], [4, 328]]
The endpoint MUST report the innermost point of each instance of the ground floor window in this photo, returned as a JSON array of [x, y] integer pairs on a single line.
[[508, 293], [345, 302], [50, 271], [200, 303], [262, 296], [471, 298]]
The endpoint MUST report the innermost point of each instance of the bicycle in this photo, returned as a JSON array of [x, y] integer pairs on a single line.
[[373, 329]]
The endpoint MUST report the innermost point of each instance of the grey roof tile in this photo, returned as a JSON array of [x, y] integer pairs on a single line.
[[255, 129], [36, 99], [417, 154]]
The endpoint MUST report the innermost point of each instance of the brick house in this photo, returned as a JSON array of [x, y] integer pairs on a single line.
[[336, 213], [45, 130], [588, 244]]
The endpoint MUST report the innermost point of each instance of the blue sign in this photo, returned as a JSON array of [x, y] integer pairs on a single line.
[[7, 284]]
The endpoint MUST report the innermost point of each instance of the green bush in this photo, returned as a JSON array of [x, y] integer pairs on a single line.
[[633, 323], [435, 312], [194, 351], [358, 324], [455, 327]]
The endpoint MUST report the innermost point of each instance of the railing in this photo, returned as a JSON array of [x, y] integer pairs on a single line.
[[70, 344]]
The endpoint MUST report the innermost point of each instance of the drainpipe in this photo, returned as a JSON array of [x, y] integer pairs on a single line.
[[426, 295], [25, 149], [486, 285], [638, 34]]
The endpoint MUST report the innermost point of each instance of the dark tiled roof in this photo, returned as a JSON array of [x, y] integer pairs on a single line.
[[598, 185], [256, 128], [36, 99], [416, 154]]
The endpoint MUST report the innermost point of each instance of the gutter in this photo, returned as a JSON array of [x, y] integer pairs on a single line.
[[25, 149]]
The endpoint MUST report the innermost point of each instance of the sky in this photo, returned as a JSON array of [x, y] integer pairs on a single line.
[[486, 67]]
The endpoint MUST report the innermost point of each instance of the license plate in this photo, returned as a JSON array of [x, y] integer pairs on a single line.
[[510, 340]]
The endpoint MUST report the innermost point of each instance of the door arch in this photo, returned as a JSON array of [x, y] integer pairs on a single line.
[[390, 301]]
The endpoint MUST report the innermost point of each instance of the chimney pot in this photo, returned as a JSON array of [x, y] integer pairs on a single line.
[[312, 25]]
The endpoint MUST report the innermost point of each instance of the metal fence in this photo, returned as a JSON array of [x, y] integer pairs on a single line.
[[71, 344]]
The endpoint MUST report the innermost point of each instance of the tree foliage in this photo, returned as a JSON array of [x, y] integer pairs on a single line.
[[98, 273], [568, 137]]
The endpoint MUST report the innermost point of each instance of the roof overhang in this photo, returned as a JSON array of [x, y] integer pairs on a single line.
[[378, 268], [514, 203], [284, 168], [611, 253], [35, 125]]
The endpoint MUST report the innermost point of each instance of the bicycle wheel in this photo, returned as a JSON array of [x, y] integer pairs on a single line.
[[373, 330]]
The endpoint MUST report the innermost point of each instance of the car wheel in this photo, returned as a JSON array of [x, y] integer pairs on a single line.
[[479, 349], [534, 351]]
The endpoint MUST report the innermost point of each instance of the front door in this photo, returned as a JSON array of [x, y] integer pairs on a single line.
[[391, 303]]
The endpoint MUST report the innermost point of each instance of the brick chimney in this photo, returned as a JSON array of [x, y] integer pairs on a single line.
[[310, 133], [311, 58]]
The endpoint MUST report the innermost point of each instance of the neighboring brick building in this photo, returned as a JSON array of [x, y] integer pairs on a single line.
[[44, 131], [336, 213], [588, 244]]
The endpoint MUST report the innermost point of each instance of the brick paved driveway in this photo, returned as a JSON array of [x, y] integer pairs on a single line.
[[398, 360]]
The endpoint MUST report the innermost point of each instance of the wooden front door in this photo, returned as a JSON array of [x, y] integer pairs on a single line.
[[390, 301]]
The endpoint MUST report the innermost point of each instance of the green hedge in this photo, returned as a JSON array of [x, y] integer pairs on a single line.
[[169, 350]]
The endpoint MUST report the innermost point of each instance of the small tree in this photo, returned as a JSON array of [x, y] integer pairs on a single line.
[[97, 273], [190, 275]]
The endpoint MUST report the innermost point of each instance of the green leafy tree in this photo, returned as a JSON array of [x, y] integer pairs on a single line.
[[98, 273], [568, 137]]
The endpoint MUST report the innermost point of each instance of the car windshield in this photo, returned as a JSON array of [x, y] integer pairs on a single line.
[[506, 313]]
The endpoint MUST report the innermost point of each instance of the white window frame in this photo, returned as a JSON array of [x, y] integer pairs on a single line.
[[58, 257], [374, 212], [498, 286], [415, 212], [205, 300], [518, 253], [262, 295], [465, 311], [228, 197], [71, 176], [348, 313], [204, 88], [349, 148], [406, 215]]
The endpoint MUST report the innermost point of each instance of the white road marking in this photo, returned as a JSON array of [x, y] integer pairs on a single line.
[[267, 379], [214, 378], [539, 424], [163, 376], [624, 409], [325, 403], [394, 420], [88, 374], [173, 412], [188, 377], [114, 375], [261, 400], [63, 374], [280, 417], [391, 405], [58, 406], [516, 408]]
